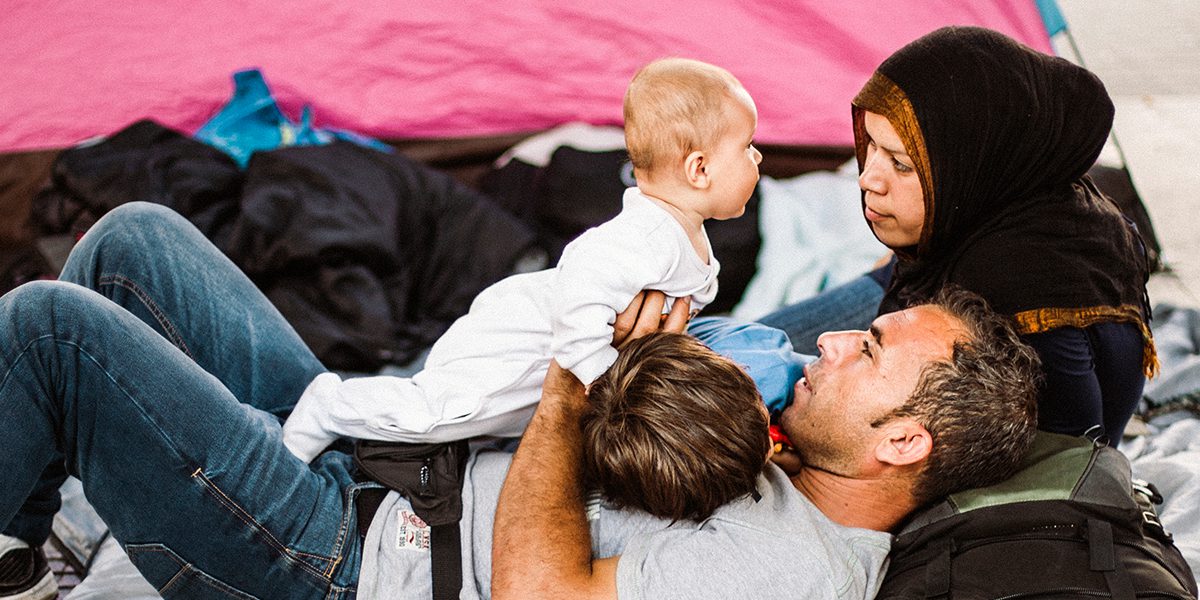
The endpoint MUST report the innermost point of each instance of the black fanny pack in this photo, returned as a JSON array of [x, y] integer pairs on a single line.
[[430, 476]]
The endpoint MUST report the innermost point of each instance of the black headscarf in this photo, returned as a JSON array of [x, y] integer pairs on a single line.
[[1002, 137]]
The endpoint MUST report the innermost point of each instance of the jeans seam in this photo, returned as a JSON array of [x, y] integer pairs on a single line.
[[21, 356], [246, 518], [169, 329], [349, 495], [186, 569], [174, 578], [92, 359]]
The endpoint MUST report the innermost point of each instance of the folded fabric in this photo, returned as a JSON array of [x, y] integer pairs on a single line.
[[1177, 338]]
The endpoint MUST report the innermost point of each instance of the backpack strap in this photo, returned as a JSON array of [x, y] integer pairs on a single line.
[[937, 573], [1102, 557]]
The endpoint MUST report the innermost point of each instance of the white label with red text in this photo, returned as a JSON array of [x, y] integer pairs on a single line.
[[411, 532]]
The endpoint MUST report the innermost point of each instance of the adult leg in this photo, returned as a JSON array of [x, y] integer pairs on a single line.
[[196, 485], [158, 266], [1118, 351], [1093, 377], [151, 261], [1070, 400], [852, 305]]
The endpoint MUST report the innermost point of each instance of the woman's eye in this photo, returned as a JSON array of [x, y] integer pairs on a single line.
[[903, 168], [866, 349]]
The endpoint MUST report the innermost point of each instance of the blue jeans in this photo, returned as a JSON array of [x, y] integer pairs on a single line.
[[852, 305], [157, 374]]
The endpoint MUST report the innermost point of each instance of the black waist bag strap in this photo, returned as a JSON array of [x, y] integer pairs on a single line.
[[431, 477]]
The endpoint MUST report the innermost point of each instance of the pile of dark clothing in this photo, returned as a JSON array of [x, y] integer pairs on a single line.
[[369, 255]]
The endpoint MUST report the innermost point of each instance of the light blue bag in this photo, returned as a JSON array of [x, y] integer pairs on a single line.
[[251, 121]]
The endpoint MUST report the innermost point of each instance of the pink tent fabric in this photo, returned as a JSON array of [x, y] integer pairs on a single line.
[[75, 69]]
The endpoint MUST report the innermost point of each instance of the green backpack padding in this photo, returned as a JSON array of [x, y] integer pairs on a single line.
[[1072, 523]]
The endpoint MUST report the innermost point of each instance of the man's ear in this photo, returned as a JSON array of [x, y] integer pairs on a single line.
[[695, 170], [905, 442]]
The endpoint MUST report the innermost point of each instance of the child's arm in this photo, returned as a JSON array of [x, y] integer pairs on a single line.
[[596, 278]]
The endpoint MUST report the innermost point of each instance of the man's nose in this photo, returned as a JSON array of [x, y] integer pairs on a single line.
[[833, 345]]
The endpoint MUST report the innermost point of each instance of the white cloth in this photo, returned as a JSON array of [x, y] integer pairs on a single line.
[[537, 149], [484, 375], [813, 238], [1170, 459]]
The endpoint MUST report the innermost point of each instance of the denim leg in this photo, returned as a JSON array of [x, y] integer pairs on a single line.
[[195, 484], [852, 305], [154, 263], [158, 266]]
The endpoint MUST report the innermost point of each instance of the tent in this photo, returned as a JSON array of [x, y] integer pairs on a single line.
[[392, 70], [453, 84]]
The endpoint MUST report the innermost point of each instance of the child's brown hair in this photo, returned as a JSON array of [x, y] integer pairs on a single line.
[[674, 429]]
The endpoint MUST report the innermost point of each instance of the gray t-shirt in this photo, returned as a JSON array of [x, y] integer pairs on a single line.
[[778, 546]]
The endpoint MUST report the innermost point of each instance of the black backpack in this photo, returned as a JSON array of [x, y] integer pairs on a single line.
[[1071, 524]]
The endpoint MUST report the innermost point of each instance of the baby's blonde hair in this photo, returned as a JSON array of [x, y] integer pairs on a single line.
[[674, 106]]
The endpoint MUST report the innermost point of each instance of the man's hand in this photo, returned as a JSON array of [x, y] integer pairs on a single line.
[[644, 315]]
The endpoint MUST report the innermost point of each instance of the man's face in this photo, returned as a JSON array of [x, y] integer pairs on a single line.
[[860, 377]]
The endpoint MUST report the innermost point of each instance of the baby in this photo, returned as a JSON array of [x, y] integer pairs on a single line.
[[689, 128], [674, 429]]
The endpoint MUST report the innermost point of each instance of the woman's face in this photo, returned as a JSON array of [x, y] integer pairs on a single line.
[[894, 205]]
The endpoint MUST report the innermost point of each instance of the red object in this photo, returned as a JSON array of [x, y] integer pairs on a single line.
[[778, 437]]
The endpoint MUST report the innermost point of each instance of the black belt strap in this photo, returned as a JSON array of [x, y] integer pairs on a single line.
[[446, 553], [431, 477]]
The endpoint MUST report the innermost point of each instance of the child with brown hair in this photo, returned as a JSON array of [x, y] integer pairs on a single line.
[[674, 429], [689, 128]]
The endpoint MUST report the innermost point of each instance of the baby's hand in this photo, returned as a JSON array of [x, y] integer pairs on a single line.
[[789, 460]]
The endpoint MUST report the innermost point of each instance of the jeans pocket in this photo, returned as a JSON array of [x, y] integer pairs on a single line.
[[174, 577]]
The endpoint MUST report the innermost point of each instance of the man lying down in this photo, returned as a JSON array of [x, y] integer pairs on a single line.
[[931, 400]]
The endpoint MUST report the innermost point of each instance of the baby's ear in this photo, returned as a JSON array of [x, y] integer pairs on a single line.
[[695, 170]]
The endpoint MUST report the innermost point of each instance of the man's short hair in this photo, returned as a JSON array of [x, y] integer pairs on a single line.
[[674, 106], [674, 429], [980, 407]]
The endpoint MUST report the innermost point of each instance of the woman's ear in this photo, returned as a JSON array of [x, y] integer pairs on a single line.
[[905, 442], [695, 170]]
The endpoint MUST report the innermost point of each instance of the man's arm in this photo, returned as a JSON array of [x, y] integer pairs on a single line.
[[541, 546]]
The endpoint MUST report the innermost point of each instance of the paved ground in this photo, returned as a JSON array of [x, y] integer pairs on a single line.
[[1148, 55]]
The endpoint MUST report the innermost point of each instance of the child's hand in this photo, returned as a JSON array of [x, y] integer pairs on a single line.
[[789, 460]]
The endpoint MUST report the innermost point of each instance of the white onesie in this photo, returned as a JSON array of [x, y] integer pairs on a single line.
[[484, 375]]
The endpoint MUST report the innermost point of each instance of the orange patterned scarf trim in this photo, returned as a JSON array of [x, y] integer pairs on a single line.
[[1045, 319]]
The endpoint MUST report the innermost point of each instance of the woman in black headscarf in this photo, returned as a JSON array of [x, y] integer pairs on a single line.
[[973, 151]]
